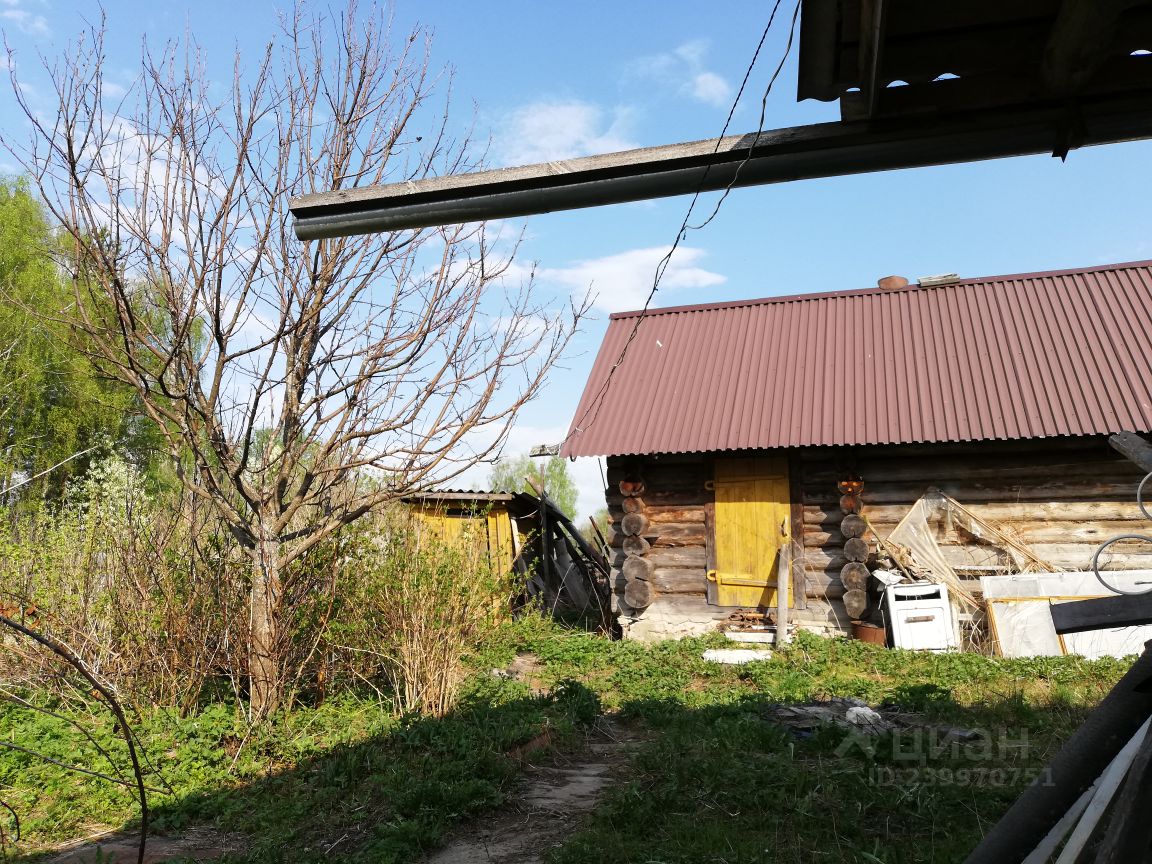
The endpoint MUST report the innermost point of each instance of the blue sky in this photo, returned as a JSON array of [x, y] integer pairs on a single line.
[[543, 81]]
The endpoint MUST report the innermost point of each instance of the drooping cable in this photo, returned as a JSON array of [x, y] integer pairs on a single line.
[[685, 226]]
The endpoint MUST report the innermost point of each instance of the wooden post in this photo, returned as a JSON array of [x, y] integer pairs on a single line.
[[783, 583], [546, 568], [799, 583]]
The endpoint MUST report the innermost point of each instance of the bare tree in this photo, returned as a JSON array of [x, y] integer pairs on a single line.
[[299, 385]]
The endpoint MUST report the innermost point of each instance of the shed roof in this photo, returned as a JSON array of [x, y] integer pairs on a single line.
[[1023, 356]]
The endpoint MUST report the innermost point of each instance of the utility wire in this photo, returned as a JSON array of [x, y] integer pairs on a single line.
[[685, 225]]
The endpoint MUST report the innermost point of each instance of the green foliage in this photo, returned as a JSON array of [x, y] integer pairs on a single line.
[[388, 788], [148, 594], [512, 475], [603, 523], [719, 781], [52, 403], [712, 777], [419, 604]]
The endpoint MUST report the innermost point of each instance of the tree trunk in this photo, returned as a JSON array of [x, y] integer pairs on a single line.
[[265, 654]]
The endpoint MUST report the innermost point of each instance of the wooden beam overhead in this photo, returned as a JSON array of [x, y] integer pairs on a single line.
[[1081, 37], [872, 18], [822, 150], [1135, 448]]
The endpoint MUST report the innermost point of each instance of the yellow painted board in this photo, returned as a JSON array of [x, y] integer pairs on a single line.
[[748, 468], [752, 516], [490, 530], [500, 548]]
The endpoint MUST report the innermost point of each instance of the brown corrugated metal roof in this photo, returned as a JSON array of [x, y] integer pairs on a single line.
[[1024, 356]]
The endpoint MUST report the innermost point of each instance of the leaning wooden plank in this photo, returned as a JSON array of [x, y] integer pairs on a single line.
[[1101, 612], [1129, 833], [1106, 788], [1043, 853], [604, 547], [1135, 447], [1080, 761], [597, 560], [783, 584]]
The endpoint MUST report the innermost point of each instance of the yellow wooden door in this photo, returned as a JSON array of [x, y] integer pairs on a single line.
[[501, 549], [752, 524], [488, 530]]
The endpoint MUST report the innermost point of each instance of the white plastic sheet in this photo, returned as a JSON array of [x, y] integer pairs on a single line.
[[1020, 607], [915, 541]]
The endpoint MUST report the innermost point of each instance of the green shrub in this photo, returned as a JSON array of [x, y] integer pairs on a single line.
[[417, 605]]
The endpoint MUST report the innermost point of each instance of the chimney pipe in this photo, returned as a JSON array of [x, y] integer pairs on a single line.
[[892, 283]]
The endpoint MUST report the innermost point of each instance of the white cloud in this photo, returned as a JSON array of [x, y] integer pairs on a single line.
[[710, 88], [549, 130], [521, 327], [26, 22], [113, 90], [692, 52], [683, 69], [621, 282]]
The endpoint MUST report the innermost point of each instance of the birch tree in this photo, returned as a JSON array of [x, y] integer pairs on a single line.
[[297, 385]]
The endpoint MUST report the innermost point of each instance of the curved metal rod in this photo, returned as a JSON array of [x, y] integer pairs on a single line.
[[16, 825], [1096, 562]]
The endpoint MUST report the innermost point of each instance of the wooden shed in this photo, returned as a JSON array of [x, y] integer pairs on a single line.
[[528, 535], [734, 431], [488, 518]]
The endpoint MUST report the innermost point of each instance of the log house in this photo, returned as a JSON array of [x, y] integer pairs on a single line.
[[729, 435]]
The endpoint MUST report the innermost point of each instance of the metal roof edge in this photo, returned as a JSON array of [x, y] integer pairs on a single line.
[[828, 446], [862, 292]]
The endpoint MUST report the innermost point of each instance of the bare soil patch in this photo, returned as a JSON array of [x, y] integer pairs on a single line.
[[550, 804], [195, 844]]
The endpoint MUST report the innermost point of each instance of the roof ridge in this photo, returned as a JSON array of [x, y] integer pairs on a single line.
[[875, 289]]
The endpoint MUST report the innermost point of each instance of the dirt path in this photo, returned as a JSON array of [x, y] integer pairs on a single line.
[[197, 844], [550, 805]]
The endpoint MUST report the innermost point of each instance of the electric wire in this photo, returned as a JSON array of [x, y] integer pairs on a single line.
[[685, 225]]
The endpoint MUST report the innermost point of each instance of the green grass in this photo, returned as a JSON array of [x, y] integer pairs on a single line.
[[717, 781], [386, 787], [714, 779]]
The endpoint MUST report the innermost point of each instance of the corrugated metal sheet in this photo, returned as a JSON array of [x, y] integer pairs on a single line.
[[1024, 356]]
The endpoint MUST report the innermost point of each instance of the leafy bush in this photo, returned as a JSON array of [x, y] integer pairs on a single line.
[[417, 604], [139, 585]]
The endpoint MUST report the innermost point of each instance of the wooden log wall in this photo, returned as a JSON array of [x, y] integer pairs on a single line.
[[1061, 497], [678, 503], [663, 526]]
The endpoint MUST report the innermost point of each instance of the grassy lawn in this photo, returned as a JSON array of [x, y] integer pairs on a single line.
[[716, 779]]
